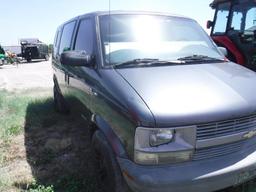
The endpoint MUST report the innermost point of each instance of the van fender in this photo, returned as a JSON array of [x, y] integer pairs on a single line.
[[112, 138]]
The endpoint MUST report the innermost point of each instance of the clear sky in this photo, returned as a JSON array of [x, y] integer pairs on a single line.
[[40, 18]]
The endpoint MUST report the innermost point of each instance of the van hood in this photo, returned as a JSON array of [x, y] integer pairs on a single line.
[[192, 94]]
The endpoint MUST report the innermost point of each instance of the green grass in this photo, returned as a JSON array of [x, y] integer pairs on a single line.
[[12, 113], [34, 187]]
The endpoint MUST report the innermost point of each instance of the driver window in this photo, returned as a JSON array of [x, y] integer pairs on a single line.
[[84, 39], [250, 23]]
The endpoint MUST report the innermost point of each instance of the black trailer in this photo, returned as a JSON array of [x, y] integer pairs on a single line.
[[34, 49]]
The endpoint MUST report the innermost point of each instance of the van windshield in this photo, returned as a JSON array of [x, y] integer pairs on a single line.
[[130, 37]]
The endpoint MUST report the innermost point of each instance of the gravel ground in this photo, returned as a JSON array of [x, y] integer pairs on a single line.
[[37, 74]]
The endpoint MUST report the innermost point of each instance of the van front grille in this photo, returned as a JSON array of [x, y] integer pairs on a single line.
[[226, 128], [220, 150]]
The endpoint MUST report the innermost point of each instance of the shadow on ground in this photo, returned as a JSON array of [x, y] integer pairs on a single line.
[[58, 149]]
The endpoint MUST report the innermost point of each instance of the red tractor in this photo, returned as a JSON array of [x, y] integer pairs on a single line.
[[234, 27]]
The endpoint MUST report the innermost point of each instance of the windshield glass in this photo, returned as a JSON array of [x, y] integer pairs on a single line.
[[128, 37], [244, 17]]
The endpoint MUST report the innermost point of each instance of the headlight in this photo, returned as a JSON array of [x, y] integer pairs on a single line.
[[164, 145], [161, 136]]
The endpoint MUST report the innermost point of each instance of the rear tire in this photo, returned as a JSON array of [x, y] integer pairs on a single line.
[[60, 104], [107, 168]]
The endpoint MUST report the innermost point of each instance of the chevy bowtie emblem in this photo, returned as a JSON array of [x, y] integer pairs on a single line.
[[250, 134]]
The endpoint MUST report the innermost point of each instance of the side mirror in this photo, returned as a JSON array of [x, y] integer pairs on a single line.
[[223, 50], [209, 24], [76, 58]]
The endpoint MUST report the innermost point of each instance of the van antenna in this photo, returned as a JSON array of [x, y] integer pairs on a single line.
[[109, 36]]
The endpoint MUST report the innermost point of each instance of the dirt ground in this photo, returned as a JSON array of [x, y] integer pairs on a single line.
[[36, 74]]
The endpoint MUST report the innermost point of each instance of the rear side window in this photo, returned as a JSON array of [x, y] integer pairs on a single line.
[[56, 43], [56, 38], [66, 38], [84, 40]]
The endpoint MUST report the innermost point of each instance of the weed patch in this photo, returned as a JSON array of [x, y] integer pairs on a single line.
[[12, 113], [40, 188]]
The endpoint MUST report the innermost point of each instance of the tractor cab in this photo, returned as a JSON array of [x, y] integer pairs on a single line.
[[234, 27]]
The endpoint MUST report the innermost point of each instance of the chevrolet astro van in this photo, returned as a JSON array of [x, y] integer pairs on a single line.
[[168, 111]]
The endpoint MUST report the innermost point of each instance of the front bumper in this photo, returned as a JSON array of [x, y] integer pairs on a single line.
[[199, 176]]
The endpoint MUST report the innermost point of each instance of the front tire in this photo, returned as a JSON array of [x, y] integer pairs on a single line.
[[108, 170]]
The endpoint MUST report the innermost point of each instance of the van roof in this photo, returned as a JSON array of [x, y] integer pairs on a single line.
[[116, 12]]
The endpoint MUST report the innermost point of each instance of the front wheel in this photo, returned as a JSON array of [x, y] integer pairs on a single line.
[[108, 170]]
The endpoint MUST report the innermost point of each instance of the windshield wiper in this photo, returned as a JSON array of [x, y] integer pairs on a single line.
[[200, 58], [146, 62]]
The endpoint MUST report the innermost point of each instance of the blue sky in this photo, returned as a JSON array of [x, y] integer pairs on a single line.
[[40, 18]]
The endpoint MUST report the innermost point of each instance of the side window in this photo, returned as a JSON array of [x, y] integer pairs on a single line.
[[55, 38], [237, 20], [84, 39], [221, 18], [56, 43], [66, 38], [250, 19]]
